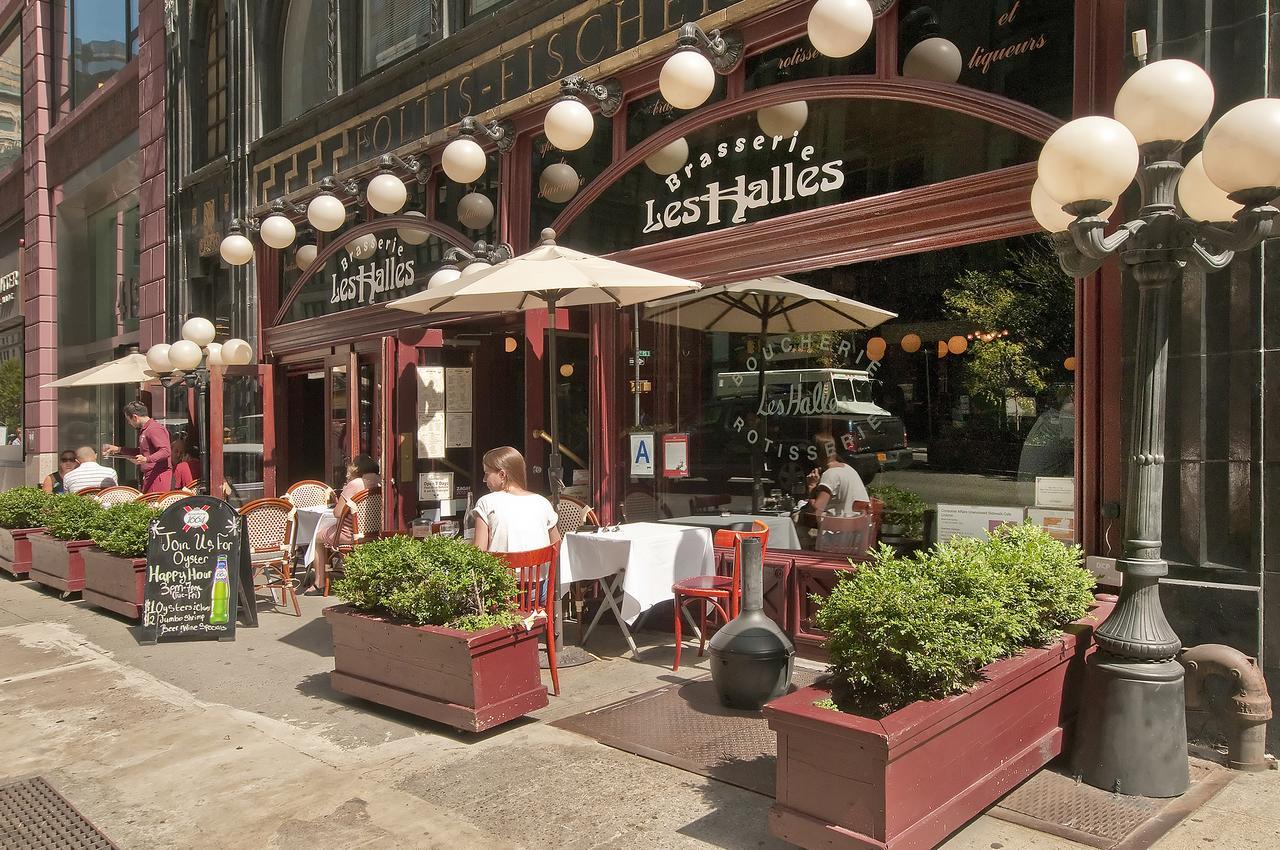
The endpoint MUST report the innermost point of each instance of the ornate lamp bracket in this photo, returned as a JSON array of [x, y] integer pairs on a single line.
[[481, 252], [723, 48], [410, 165], [608, 93], [501, 133]]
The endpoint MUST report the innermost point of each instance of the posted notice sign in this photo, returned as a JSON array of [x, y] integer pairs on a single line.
[[197, 571], [675, 455], [974, 520], [642, 455]]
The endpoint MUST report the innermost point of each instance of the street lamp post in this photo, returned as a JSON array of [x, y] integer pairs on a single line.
[[186, 363], [1131, 733]]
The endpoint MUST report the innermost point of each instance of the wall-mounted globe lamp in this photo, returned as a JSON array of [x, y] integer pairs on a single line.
[[839, 28], [386, 192], [569, 123], [326, 212], [559, 182], [463, 160], [304, 256], [236, 249], [688, 76], [783, 119], [931, 56], [669, 159], [475, 211], [413, 236]]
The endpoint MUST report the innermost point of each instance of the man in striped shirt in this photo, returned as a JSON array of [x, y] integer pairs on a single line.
[[89, 474]]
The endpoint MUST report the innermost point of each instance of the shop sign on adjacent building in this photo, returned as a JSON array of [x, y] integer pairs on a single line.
[[10, 292]]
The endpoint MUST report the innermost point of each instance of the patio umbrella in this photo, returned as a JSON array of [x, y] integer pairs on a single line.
[[130, 369], [764, 306], [552, 276]]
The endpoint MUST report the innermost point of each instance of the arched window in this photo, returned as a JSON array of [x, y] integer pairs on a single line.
[[304, 58], [215, 82]]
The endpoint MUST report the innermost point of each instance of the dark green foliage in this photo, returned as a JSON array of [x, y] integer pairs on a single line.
[[902, 508], [124, 529], [903, 629], [439, 581], [23, 507], [70, 517]]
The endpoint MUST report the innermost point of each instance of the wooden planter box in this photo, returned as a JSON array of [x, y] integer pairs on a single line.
[[58, 563], [910, 779], [113, 582], [15, 550], [471, 681]]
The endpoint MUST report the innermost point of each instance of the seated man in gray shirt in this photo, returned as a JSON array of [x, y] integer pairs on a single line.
[[89, 474], [837, 486]]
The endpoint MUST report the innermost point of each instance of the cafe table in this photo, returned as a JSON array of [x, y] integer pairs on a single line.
[[308, 525], [636, 566], [782, 531]]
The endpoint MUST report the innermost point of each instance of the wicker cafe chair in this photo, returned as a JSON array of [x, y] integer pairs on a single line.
[[720, 593], [536, 572], [708, 505], [574, 513], [362, 514], [160, 501], [310, 493], [269, 524], [845, 535], [112, 496]]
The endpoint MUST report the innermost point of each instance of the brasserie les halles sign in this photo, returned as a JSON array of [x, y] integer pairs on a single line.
[[363, 280]]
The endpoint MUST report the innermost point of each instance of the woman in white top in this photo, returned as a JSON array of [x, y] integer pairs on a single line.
[[510, 518]]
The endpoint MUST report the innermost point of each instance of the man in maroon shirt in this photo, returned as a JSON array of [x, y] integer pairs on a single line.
[[153, 453]]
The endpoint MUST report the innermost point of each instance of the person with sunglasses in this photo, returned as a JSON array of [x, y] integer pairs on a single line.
[[53, 481]]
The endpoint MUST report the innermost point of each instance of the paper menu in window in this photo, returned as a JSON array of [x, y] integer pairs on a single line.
[[1055, 492], [457, 430], [431, 415], [457, 387]]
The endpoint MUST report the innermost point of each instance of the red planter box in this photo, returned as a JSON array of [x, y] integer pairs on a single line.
[[58, 563], [113, 582], [15, 550], [471, 681], [910, 779]]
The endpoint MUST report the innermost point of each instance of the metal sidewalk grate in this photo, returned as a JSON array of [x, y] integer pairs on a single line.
[[33, 816]]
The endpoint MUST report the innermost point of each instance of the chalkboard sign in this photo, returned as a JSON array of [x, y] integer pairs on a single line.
[[198, 572]]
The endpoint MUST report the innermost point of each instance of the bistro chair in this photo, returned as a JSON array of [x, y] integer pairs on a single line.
[[876, 508], [709, 505], [642, 506], [269, 525], [160, 501], [720, 593], [573, 514], [362, 514], [111, 496], [845, 535], [535, 582], [310, 493]]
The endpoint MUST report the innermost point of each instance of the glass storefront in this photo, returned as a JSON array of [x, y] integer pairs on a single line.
[[10, 96]]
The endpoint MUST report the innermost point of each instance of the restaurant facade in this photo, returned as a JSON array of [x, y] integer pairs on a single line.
[[898, 176]]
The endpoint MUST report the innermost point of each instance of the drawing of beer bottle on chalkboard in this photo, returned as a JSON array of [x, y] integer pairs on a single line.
[[221, 592]]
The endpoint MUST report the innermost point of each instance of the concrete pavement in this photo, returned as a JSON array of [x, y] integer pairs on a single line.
[[244, 744]]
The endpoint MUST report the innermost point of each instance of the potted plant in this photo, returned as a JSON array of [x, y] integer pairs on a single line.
[[903, 511], [952, 680], [115, 567], [56, 554], [431, 629], [21, 515]]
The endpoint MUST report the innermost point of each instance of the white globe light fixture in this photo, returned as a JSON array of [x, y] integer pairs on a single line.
[[475, 211], [935, 59], [1200, 197], [569, 124], [839, 28], [559, 182], [475, 267], [1088, 159], [463, 160], [412, 235], [278, 231], [386, 193], [185, 355], [326, 213], [1167, 100], [362, 247], [304, 256], [236, 352], [1049, 213], [236, 249], [687, 79], [447, 274], [670, 159], [213, 354], [1242, 149], [783, 119], [158, 358], [198, 330]]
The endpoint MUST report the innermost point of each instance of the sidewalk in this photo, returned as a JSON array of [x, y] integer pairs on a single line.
[[244, 744]]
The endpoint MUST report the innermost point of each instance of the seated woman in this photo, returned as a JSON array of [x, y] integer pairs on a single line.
[[187, 471], [53, 481], [510, 518], [362, 474]]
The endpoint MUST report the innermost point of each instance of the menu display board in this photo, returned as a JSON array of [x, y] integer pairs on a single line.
[[198, 573]]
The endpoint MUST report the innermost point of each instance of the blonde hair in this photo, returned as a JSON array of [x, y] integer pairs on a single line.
[[509, 462]]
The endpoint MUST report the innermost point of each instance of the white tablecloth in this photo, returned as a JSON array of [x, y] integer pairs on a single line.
[[782, 531], [309, 524], [654, 556]]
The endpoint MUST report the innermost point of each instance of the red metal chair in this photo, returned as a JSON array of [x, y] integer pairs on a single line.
[[876, 508], [721, 593], [269, 523], [535, 587]]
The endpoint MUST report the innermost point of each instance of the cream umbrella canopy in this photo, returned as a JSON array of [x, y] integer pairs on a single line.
[[129, 369], [549, 276], [764, 306]]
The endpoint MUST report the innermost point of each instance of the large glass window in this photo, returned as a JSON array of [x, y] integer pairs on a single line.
[[10, 97], [394, 28], [304, 58], [101, 39], [215, 82], [965, 398]]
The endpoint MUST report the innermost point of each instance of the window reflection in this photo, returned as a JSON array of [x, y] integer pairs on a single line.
[[10, 97], [99, 35], [304, 58]]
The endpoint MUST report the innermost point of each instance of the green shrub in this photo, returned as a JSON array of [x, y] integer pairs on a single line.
[[70, 517], [903, 629], [902, 507], [439, 581], [124, 529], [23, 507]]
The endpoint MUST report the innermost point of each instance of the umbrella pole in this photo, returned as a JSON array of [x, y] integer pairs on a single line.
[[555, 471], [757, 483]]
